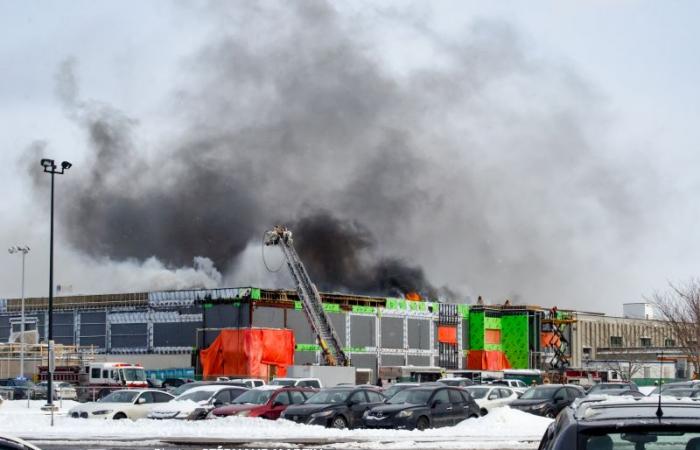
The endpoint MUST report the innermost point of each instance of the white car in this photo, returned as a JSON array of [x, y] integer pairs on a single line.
[[456, 381], [248, 382], [197, 402], [298, 382], [517, 385], [489, 397], [122, 404], [7, 442]]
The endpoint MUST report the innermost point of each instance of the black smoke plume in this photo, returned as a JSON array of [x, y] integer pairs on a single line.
[[478, 166]]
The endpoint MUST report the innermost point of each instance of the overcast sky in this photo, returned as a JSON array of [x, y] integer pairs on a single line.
[[639, 61]]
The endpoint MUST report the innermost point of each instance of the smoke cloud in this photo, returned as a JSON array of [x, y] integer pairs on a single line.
[[482, 168]]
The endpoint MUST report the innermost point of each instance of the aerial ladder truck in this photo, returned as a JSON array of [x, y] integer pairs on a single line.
[[326, 336]]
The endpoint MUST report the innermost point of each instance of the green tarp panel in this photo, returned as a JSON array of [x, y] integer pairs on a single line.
[[364, 309], [515, 333], [331, 307], [476, 331], [307, 348], [255, 293], [492, 323]]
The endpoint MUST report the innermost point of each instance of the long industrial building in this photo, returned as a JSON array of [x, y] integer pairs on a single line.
[[163, 329]]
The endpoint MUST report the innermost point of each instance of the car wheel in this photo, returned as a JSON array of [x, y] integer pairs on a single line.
[[119, 416], [483, 411], [339, 422], [422, 423]]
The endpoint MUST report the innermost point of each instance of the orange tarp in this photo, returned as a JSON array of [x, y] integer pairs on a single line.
[[447, 334], [492, 336], [487, 360], [249, 352]]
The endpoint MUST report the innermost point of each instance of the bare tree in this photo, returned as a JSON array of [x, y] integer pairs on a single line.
[[625, 359], [680, 307]]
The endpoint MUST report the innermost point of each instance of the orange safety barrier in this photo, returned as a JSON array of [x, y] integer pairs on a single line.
[[487, 360], [447, 334], [249, 352]]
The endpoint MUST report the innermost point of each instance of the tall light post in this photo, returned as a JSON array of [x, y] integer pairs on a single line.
[[23, 250], [50, 167]]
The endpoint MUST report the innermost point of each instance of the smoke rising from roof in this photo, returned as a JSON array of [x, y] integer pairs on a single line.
[[482, 168]]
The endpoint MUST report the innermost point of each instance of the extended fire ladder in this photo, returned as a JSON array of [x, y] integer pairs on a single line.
[[311, 300]]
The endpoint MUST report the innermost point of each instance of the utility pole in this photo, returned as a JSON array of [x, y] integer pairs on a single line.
[[23, 250]]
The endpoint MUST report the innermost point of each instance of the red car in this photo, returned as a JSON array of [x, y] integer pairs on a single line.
[[265, 401]]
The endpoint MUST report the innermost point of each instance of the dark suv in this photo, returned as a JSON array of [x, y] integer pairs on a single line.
[[548, 399], [339, 407], [632, 424], [614, 388], [423, 407]]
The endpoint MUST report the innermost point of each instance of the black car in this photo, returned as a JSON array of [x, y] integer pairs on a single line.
[[174, 382], [423, 407], [548, 399], [677, 385], [635, 424], [338, 407]]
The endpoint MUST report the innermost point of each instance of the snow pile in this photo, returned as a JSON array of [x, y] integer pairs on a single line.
[[503, 425]]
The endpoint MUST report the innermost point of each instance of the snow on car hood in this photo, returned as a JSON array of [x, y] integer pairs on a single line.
[[178, 406]]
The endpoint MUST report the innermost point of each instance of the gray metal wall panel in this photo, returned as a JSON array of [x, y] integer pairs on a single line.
[[4, 328], [93, 328], [268, 317], [63, 331], [419, 334], [41, 319], [418, 360], [296, 320], [338, 322], [465, 334], [301, 358], [363, 331], [368, 361], [392, 332], [226, 316], [125, 335], [393, 360], [177, 334]]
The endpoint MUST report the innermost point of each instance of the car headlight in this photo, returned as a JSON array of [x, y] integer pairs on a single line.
[[405, 413], [102, 412], [243, 413], [323, 413]]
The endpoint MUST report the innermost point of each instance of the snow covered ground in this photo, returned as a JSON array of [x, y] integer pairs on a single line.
[[502, 428]]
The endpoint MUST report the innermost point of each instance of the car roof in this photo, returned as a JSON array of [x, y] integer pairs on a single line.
[[209, 388], [269, 387], [620, 408]]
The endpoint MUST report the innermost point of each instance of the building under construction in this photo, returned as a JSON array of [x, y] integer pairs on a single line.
[[374, 331]]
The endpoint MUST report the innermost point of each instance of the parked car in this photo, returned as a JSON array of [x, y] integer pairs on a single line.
[[249, 382], [62, 390], [548, 399], [298, 382], [693, 384], [154, 383], [456, 381], [171, 383], [338, 407], [197, 402], [423, 407], [187, 386], [267, 402], [602, 388], [518, 386], [19, 388], [122, 404], [634, 424], [489, 397], [13, 443]]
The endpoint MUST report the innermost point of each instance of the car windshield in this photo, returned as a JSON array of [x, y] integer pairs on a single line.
[[647, 439], [120, 397], [539, 393], [134, 374], [196, 396], [392, 390], [26, 383], [451, 382], [679, 392], [329, 397], [478, 392], [412, 396], [607, 386], [184, 388], [254, 397], [283, 382]]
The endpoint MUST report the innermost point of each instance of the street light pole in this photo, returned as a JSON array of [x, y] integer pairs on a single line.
[[24, 250], [50, 167]]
